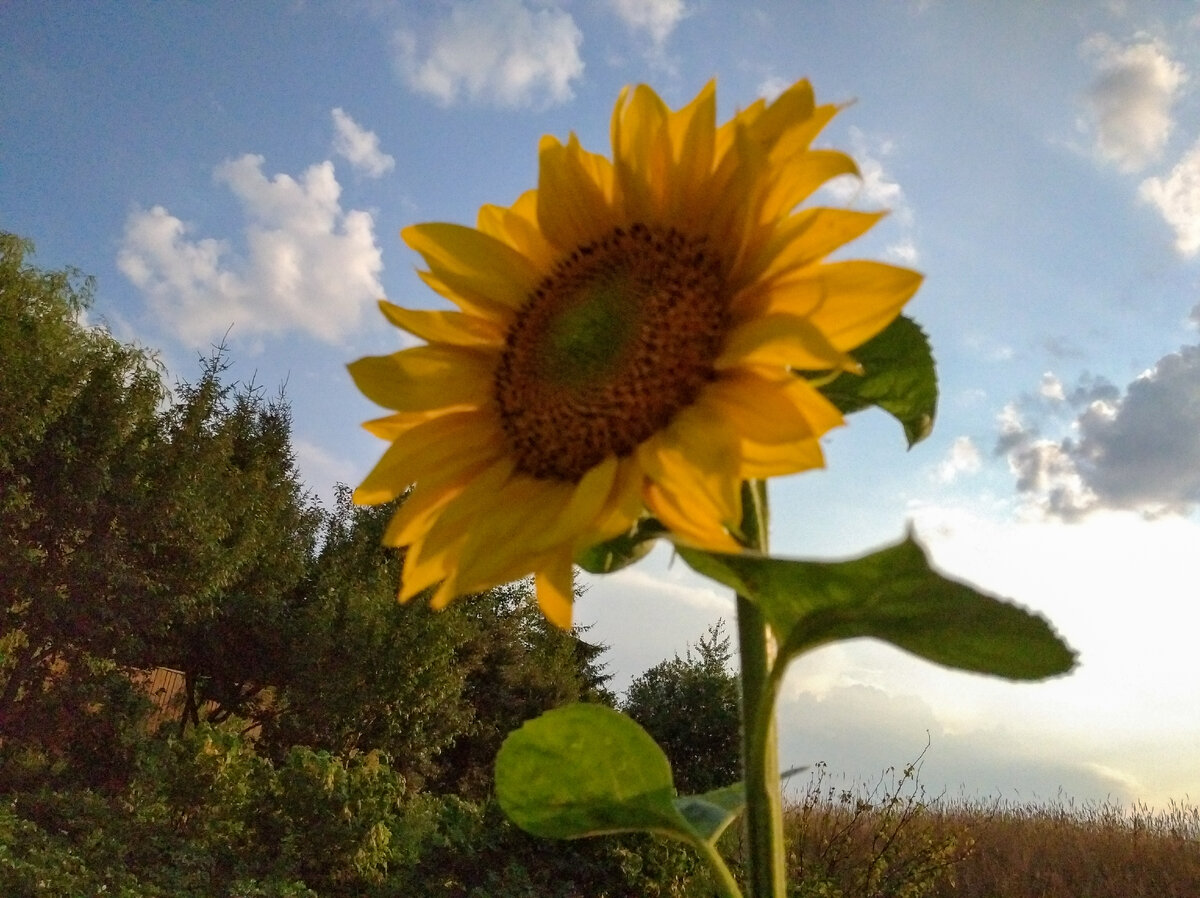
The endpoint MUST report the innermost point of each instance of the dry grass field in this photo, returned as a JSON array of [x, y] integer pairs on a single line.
[[891, 840]]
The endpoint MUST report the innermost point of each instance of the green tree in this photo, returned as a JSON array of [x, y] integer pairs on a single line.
[[365, 672], [240, 540], [78, 423], [518, 665], [690, 706], [436, 690]]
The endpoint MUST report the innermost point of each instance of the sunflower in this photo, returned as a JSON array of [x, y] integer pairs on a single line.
[[625, 343]]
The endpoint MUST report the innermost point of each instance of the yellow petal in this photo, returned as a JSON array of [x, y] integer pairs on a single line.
[[785, 113], [572, 208], [641, 151], [688, 520], [693, 137], [809, 236], [861, 299], [587, 501], [624, 503], [513, 522], [517, 226], [425, 377], [421, 573], [771, 410], [454, 328], [459, 441], [477, 263], [798, 135], [796, 181], [390, 427], [692, 468], [556, 591], [785, 341], [763, 460]]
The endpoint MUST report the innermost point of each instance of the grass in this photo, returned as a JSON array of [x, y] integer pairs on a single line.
[[891, 840]]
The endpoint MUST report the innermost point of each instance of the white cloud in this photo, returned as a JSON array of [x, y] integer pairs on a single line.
[[657, 18], [502, 52], [359, 146], [877, 190], [1177, 198], [1051, 387], [322, 470], [308, 265], [963, 458], [772, 86], [1129, 101]]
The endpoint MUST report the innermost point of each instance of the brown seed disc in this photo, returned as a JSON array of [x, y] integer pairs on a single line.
[[619, 337]]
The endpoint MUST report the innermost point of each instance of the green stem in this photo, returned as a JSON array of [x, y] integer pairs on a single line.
[[760, 753], [726, 884]]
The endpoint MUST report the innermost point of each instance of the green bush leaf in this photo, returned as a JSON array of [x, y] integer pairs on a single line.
[[621, 551], [898, 376], [894, 595], [585, 770]]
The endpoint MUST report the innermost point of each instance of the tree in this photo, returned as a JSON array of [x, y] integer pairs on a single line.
[[518, 665], [78, 422], [437, 691], [240, 539], [690, 706], [364, 671]]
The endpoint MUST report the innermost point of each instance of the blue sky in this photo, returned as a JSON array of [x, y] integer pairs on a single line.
[[244, 168]]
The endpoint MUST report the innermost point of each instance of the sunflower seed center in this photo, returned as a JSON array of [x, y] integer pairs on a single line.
[[614, 341]]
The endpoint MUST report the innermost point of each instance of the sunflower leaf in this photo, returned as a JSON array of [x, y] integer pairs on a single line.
[[898, 376], [894, 595], [709, 814], [586, 770], [621, 551]]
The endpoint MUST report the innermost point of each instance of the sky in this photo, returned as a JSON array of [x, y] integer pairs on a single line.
[[239, 172]]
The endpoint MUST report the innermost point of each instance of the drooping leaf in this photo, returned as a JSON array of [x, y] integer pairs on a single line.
[[621, 551], [898, 376], [894, 595], [709, 814]]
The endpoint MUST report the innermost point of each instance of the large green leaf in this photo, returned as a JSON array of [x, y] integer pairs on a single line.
[[587, 770], [894, 595], [583, 770], [898, 376]]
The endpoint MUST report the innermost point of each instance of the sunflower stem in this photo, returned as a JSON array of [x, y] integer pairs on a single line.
[[760, 752]]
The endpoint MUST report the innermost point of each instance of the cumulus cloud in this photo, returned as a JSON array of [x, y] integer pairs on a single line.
[[1177, 198], [1137, 449], [1129, 102], [963, 458], [307, 265], [657, 18], [506, 53], [359, 146]]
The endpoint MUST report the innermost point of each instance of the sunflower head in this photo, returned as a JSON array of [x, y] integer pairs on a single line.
[[624, 342]]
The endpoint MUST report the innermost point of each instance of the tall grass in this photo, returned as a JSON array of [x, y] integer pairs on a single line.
[[889, 839]]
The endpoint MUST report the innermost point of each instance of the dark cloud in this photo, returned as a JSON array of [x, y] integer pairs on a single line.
[[1135, 450], [1143, 451]]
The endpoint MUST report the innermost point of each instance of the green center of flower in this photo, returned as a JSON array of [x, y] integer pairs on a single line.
[[620, 336]]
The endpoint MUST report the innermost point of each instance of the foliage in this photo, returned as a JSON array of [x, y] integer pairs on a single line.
[[242, 537], [436, 691], [690, 706], [78, 427]]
